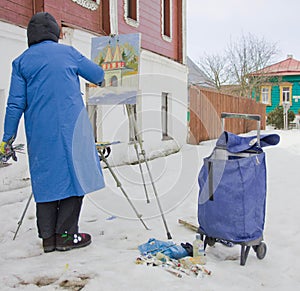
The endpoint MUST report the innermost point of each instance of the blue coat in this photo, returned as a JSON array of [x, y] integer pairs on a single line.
[[45, 87]]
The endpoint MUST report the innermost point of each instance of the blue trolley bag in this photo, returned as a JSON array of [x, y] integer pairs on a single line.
[[232, 195]]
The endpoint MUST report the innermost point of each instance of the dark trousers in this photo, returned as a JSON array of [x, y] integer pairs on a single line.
[[58, 217]]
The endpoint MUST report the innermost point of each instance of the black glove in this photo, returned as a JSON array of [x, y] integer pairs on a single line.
[[188, 247]]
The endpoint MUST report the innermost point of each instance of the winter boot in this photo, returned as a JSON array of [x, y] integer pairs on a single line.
[[49, 244], [66, 242]]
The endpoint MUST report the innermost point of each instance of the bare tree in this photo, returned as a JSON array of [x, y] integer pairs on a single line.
[[215, 67], [242, 57], [248, 55]]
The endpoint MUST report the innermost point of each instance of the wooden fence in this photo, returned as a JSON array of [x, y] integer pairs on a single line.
[[206, 106]]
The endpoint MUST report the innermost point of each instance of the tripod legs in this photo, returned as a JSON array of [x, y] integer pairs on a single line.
[[22, 217], [132, 122], [121, 188], [137, 140]]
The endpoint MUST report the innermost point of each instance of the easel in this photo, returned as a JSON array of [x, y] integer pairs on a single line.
[[139, 150], [138, 143], [101, 150]]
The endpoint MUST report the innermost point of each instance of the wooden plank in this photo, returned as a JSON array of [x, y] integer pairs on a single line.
[[190, 225]]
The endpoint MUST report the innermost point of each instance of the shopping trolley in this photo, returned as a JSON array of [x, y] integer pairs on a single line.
[[232, 195]]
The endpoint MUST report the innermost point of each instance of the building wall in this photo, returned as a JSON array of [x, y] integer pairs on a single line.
[[16, 11], [66, 12], [12, 43], [72, 14], [112, 120], [275, 94], [150, 25], [171, 79]]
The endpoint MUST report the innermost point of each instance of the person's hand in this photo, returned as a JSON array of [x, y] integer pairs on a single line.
[[6, 148], [7, 152], [3, 148]]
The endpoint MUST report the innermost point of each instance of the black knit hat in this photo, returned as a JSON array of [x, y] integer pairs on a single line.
[[42, 26]]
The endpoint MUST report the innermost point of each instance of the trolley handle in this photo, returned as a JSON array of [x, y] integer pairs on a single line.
[[243, 116], [240, 115]]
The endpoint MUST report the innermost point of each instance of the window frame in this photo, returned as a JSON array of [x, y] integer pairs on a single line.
[[290, 87], [132, 119], [166, 37], [165, 115], [269, 99], [131, 21]]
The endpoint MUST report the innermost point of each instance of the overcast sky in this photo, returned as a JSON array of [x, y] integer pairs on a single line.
[[212, 24]]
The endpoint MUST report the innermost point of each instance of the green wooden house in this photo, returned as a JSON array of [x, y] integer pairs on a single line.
[[280, 83]]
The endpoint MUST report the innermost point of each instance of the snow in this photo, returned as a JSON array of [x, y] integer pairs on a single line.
[[109, 262]]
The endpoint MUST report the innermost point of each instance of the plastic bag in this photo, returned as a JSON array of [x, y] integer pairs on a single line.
[[170, 249]]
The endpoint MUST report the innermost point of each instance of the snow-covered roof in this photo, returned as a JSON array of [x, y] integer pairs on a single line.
[[196, 76]]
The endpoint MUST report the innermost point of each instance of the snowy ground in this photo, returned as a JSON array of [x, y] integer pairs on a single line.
[[109, 262]]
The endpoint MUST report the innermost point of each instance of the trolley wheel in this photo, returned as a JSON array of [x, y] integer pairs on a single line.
[[260, 250], [210, 241]]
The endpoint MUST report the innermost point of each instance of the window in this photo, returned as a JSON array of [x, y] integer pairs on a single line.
[[92, 111], [164, 115], [167, 14], [265, 95], [131, 9], [167, 20], [131, 12], [286, 93], [132, 115]]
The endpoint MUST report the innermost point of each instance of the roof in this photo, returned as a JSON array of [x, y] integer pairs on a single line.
[[289, 67], [196, 76]]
